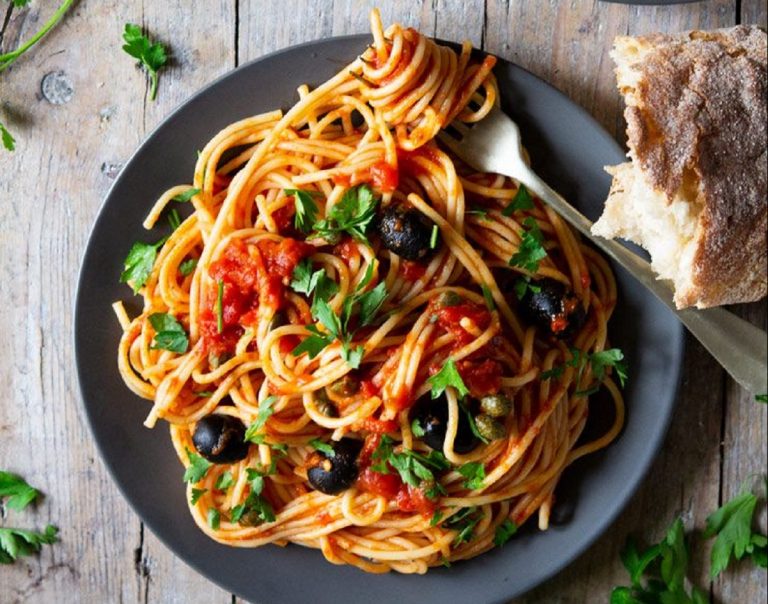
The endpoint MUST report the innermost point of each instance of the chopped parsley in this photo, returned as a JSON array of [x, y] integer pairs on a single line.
[[255, 508], [263, 414], [761, 398], [220, 306], [306, 209], [531, 250], [18, 493], [214, 518], [170, 335], [488, 297], [323, 447], [433, 237], [8, 141], [307, 281], [152, 56], [20, 542], [521, 201], [599, 361], [416, 429], [474, 474], [351, 215], [523, 285], [139, 262], [555, 372], [448, 376], [415, 469], [464, 522], [174, 220], [224, 481], [186, 195], [188, 266], [197, 469], [196, 495], [504, 532]]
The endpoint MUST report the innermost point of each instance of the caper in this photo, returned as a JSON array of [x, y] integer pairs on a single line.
[[489, 428], [346, 386], [326, 407], [449, 298], [251, 518], [216, 360], [495, 405]]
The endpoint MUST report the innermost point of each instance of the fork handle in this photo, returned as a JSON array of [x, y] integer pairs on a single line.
[[740, 347]]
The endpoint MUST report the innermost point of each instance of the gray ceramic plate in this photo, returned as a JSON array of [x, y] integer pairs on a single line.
[[568, 148]]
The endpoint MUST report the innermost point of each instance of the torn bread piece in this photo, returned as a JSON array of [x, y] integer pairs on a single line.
[[694, 193]]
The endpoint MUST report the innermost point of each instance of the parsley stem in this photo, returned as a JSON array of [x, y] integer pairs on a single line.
[[220, 307], [153, 88], [8, 58]]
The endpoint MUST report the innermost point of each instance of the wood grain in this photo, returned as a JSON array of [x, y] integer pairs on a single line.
[[69, 154]]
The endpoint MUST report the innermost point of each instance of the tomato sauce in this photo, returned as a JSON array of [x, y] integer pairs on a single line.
[[384, 177], [449, 318], [347, 250], [412, 271], [481, 377], [412, 499]]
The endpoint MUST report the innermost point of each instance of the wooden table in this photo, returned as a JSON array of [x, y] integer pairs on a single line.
[[76, 132]]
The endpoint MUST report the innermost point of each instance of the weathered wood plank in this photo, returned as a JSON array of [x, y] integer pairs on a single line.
[[754, 12]]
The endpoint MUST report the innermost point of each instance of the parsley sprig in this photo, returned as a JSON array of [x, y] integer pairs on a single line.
[[18, 493], [265, 411], [448, 376], [531, 251], [474, 474], [464, 522], [139, 262], [255, 509], [197, 469], [152, 56], [521, 201], [504, 532], [351, 215], [599, 361], [306, 209], [170, 334], [363, 304], [8, 141], [415, 469]]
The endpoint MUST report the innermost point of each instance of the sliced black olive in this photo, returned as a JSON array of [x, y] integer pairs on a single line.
[[553, 308], [220, 438], [336, 473], [405, 231], [432, 417]]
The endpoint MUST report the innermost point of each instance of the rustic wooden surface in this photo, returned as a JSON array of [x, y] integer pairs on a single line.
[[73, 140]]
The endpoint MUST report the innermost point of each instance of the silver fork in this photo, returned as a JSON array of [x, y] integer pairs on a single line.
[[493, 145]]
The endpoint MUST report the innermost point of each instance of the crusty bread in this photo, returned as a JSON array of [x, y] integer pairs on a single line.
[[694, 194]]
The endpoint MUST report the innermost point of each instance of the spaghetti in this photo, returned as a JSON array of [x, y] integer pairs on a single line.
[[324, 389]]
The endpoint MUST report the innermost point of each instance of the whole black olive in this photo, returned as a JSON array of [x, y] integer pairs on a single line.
[[406, 232], [432, 417], [552, 307], [336, 473], [220, 438]]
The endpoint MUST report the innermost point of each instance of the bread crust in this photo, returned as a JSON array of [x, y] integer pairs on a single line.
[[697, 128]]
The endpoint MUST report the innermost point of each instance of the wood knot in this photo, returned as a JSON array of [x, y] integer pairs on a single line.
[[57, 88]]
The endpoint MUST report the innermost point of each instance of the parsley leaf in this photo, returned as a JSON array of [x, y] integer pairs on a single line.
[[255, 509], [19, 493], [139, 262], [761, 398], [314, 344], [531, 250], [264, 413], [220, 306], [732, 523], [369, 303], [416, 429], [196, 495], [170, 334], [488, 296], [474, 474], [8, 141], [306, 209], [351, 215], [504, 532], [186, 267], [521, 201], [186, 195], [523, 285], [437, 516], [415, 469], [448, 376], [613, 357], [555, 372], [464, 522], [152, 56], [197, 469], [20, 3], [214, 518], [224, 481], [323, 447], [20, 542]]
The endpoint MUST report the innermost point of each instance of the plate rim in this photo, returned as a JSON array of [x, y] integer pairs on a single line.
[[623, 496]]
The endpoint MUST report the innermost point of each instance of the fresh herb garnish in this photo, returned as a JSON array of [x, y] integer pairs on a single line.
[[186, 267], [416, 429], [139, 262], [665, 566], [196, 495], [18, 492], [433, 237], [323, 447], [8, 141], [473, 473], [437, 516], [555, 372], [472, 423], [20, 542], [151, 56], [504, 532], [448, 376], [170, 334], [307, 281], [264, 413], [464, 521], [197, 469], [415, 469], [186, 195], [214, 518], [479, 211], [524, 285], [220, 306], [488, 297], [521, 201], [306, 209], [599, 361], [224, 481], [761, 398], [255, 507], [351, 215], [174, 220], [531, 250], [732, 523]]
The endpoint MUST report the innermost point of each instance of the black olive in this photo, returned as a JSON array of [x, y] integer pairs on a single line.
[[405, 231], [553, 308], [334, 474], [563, 511], [432, 417], [220, 439]]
